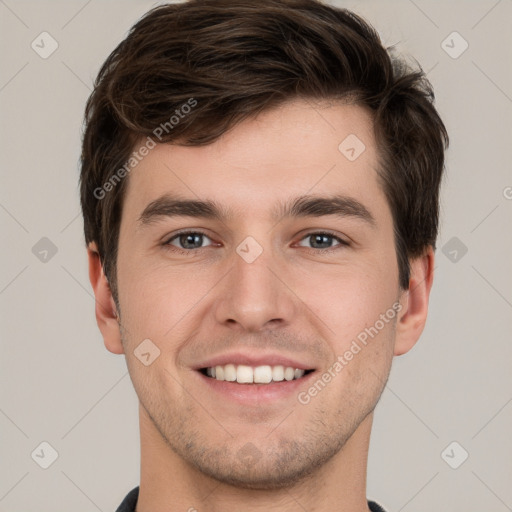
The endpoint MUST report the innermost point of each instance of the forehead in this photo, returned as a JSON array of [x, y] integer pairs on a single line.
[[297, 149]]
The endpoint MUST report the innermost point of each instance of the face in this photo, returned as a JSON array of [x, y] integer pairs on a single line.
[[260, 282]]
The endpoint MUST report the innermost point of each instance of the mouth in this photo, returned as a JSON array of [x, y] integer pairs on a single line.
[[253, 380], [254, 375]]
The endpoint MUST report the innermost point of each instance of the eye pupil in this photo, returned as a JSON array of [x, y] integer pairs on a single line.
[[191, 240], [323, 240]]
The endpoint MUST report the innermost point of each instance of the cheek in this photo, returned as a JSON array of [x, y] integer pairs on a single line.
[[348, 300], [156, 299], [363, 347]]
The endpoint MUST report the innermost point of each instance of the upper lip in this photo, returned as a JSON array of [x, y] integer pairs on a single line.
[[271, 359]]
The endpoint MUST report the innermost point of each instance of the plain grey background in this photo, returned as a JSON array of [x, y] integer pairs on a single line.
[[59, 385]]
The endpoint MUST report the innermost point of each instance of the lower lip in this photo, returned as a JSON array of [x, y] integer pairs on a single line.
[[257, 394]]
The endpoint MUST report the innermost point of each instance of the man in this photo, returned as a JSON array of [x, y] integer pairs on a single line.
[[260, 185]]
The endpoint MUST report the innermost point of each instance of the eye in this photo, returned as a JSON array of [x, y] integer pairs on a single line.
[[188, 240], [321, 241]]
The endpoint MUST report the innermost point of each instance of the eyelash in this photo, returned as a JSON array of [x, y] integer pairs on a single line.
[[188, 252]]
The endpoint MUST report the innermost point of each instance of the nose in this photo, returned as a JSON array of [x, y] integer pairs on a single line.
[[256, 295]]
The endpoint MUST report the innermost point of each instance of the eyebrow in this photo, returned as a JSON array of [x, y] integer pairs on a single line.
[[302, 206]]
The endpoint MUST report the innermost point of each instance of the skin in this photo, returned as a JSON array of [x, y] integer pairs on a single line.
[[292, 299]]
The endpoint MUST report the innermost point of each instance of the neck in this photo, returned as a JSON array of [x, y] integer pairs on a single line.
[[168, 483]]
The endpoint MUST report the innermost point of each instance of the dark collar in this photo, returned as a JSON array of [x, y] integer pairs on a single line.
[[130, 502]]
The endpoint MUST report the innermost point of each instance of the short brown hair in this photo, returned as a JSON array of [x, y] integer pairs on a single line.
[[235, 58]]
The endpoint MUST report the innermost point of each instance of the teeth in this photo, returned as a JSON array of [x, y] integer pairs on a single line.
[[262, 374], [230, 372], [289, 373], [278, 373], [244, 374]]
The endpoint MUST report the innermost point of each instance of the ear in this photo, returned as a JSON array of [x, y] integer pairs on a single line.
[[106, 311], [414, 301]]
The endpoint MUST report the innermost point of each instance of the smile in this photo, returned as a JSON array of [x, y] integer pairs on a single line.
[[243, 374]]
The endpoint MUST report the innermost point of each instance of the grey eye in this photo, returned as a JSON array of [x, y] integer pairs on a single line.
[[189, 240], [321, 240]]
